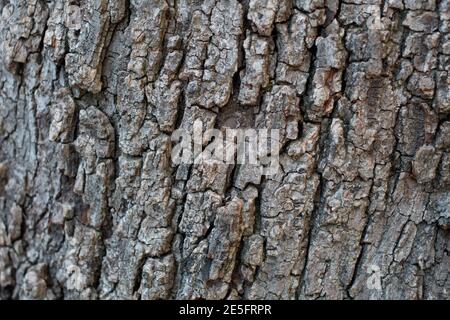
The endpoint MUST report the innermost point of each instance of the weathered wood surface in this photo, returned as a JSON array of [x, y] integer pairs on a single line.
[[92, 208]]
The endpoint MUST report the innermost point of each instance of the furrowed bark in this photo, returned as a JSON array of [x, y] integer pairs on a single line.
[[93, 207]]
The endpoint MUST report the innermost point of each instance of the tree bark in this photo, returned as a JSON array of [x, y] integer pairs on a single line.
[[93, 207]]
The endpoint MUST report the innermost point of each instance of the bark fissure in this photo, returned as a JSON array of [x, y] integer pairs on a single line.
[[92, 205]]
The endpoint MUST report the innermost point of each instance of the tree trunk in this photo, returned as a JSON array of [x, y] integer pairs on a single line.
[[92, 205]]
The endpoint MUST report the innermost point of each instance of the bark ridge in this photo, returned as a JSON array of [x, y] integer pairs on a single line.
[[92, 207]]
